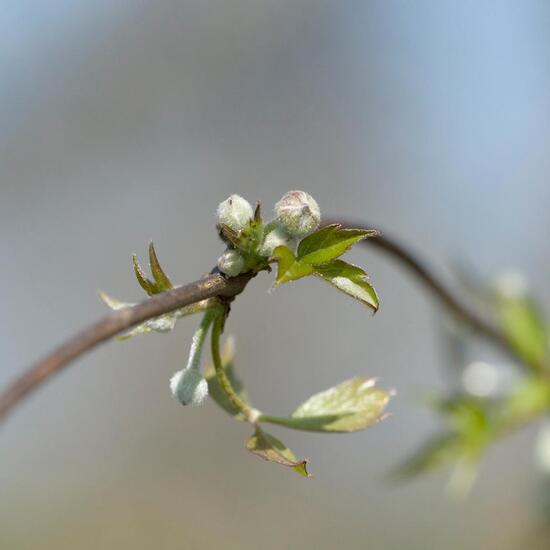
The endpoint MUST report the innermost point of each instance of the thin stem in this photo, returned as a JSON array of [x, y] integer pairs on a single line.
[[113, 324], [197, 342], [248, 412], [217, 285], [287, 422], [188, 385], [463, 312]]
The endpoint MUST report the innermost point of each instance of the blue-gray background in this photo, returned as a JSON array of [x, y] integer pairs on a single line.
[[122, 122]]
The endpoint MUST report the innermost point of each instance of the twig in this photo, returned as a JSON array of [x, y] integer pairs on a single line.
[[462, 312], [208, 287], [111, 325]]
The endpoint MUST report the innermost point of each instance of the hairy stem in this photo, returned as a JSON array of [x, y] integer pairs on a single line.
[[248, 412], [455, 306], [197, 342], [287, 422], [217, 285], [113, 324]]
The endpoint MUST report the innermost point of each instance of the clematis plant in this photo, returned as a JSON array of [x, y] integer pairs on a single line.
[[294, 243], [488, 404]]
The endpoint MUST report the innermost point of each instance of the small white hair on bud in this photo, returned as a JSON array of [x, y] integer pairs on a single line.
[[231, 262], [189, 387], [235, 212], [278, 236], [298, 212]]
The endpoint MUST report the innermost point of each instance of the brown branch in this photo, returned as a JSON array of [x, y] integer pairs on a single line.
[[113, 324], [458, 309], [208, 287]]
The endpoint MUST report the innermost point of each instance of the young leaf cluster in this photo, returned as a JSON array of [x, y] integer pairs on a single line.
[[252, 246], [473, 423], [350, 406], [318, 255], [159, 283]]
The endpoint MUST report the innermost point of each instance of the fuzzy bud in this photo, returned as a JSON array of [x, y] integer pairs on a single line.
[[231, 262], [298, 212], [276, 237], [189, 387], [235, 212]]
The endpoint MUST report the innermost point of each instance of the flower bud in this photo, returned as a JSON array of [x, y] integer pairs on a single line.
[[276, 237], [298, 212], [235, 212], [189, 387], [231, 262]]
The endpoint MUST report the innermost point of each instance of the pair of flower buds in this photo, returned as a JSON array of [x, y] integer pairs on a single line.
[[297, 215]]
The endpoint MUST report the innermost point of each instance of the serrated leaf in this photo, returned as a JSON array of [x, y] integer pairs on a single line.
[[330, 242], [320, 249], [526, 330], [349, 279], [162, 281], [290, 269], [271, 449], [313, 242], [214, 389], [350, 406]]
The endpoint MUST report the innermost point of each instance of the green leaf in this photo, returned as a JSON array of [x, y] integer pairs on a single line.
[[437, 452], [350, 406], [472, 425], [529, 398], [330, 242], [525, 329], [214, 389], [271, 449], [143, 281], [349, 279], [290, 268], [450, 449], [162, 281], [318, 249], [440, 451]]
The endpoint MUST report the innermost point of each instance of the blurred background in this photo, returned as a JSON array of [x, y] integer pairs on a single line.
[[123, 122]]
